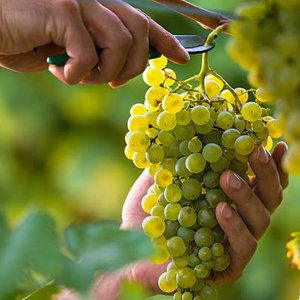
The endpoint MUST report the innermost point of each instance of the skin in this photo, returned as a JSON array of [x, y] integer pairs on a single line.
[[243, 227], [122, 32]]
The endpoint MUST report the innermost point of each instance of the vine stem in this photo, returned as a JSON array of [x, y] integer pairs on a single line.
[[206, 18]]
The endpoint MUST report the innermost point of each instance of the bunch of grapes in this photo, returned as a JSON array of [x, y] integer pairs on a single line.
[[186, 134], [267, 42]]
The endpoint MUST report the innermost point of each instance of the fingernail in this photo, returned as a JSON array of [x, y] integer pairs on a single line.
[[51, 69], [226, 211], [233, 180], [262, 155]]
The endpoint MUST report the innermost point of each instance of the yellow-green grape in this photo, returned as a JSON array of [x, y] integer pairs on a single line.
[[170, 75], [127, 136], [191, 189], [228, 96], [161, 254], [201, 271], [163, 178], [154, 226], [187, 217], [155, 154], [229, 136], [263, 95], [258, 126], [171, 276], [242, 94], [151, 116], [172, 193], [211, 77], [166, 121], [208, 293], [225, 120], [153, 76], [171, 211], [217, 249], [158, 210], [128, 152], [160, 240], [186, 278], [176, 246], [195, 145], [138, 123], [195, 163], [140, 161], [212, 88], [241, 158], [154, 97], [251, 112], [200, 115], [172, 103], [274, 130], [269, 144], [138, 109], [244, 145], [159, 63], [183, 117], [212, 152], [152, 132], [148, 202], [187, 296], [222, 262], [153, 169], [138, 141], [166, 138], [164, 285]]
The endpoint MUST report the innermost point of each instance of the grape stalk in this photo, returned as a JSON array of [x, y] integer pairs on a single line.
[[186, 133]]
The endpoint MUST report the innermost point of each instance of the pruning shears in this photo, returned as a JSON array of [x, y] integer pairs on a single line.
[[194, 44]]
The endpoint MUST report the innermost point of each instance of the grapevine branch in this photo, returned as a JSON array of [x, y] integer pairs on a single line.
[[206, 18]]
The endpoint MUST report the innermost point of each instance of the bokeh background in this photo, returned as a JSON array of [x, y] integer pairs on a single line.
[[61, 149]]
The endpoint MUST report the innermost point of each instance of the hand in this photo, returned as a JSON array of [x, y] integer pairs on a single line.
[[32, 30], [243, 228]]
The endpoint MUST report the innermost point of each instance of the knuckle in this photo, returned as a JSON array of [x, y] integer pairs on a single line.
[[69, 6], [142, 23]]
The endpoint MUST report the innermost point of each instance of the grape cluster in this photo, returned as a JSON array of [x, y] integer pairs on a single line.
[[187, 136], [267, 42]]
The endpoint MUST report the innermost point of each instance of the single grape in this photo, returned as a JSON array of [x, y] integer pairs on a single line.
[[206, 128], [176, 246], [251, 112], [211, 77], [194, 145], [155, 154], [172, 211], [215, 196], [170, 76], [204, 237], [206, 218], [172, 103], [148, 202], [159, 62], [181, 168], [164, 285], [169, 164], [172, 193], [244, 145], [191, 189], [161, 254], [208, 293], [200, 115], [205, 254], [242, 94], [187, 296], [166, 121], [212, 152], [183, 117], [201, 271], [140, 161], [138, 109], [153, 169], [138, 141], [221, 263], [128, 152], [153, 76], [183, 148], [229, 136], [195, 163], [171, 229], [193, 260], [274, 129], [184, 132], [211, 179], [181, 261], [151, 116], [221, 165], [186, 278], [163, 178], [187, 234], [187, 217], [212, 88], [225, 120], [166, 138], [217, 249], [158, 210], [154, 226]]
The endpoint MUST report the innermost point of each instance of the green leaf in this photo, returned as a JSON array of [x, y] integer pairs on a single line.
[[34, 244], [44, 293]]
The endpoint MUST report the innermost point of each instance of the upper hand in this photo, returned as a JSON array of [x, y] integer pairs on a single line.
[[122, 32]]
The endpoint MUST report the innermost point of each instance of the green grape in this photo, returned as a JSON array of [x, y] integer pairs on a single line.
[[212, 152], [221, 263], [206, 128], [191, 189], [195, 163], [155, 154], [200, 115], [201, 271], [211, 77], [172, 211], [173, 150], [163, 178], [171, 277], [128, 152], [229, 136], [187, 217], [258, 126], [183, 117], [186, 278], [171, 229], [193, 260], [164, 285], [159, 63], [158, 210], [161, 254], [187, 234], [208, 293], [162, 200], [217, 249], [172, 193], [214, 137], [215, 196], [206, 218], [184, 132], [263, 135], [200, 203], [152, 132], [225, 120], [183, 148], [148, 202], [138, 109], [211, 179], [208, 264], [212, 88], [181, 261], [221, 165], [140, 161], [177, 296], [151, 116], [205, 254], [169, 164], [181, 168], [166, 138], [204, 237], [251, 112], [172, 103], [240, 124], [238, 167], [176, 246], [138, 141], [166, 121], [170, 76], [198, 287], [154, 226], [153, 76], [194, 145], [218, 234], [244, 145], [187, 296]]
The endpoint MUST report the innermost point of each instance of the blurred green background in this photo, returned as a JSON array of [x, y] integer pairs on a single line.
[[61, 149]]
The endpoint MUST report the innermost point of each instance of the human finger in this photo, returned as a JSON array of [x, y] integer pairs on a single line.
[[249, 206], [267, 181]]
